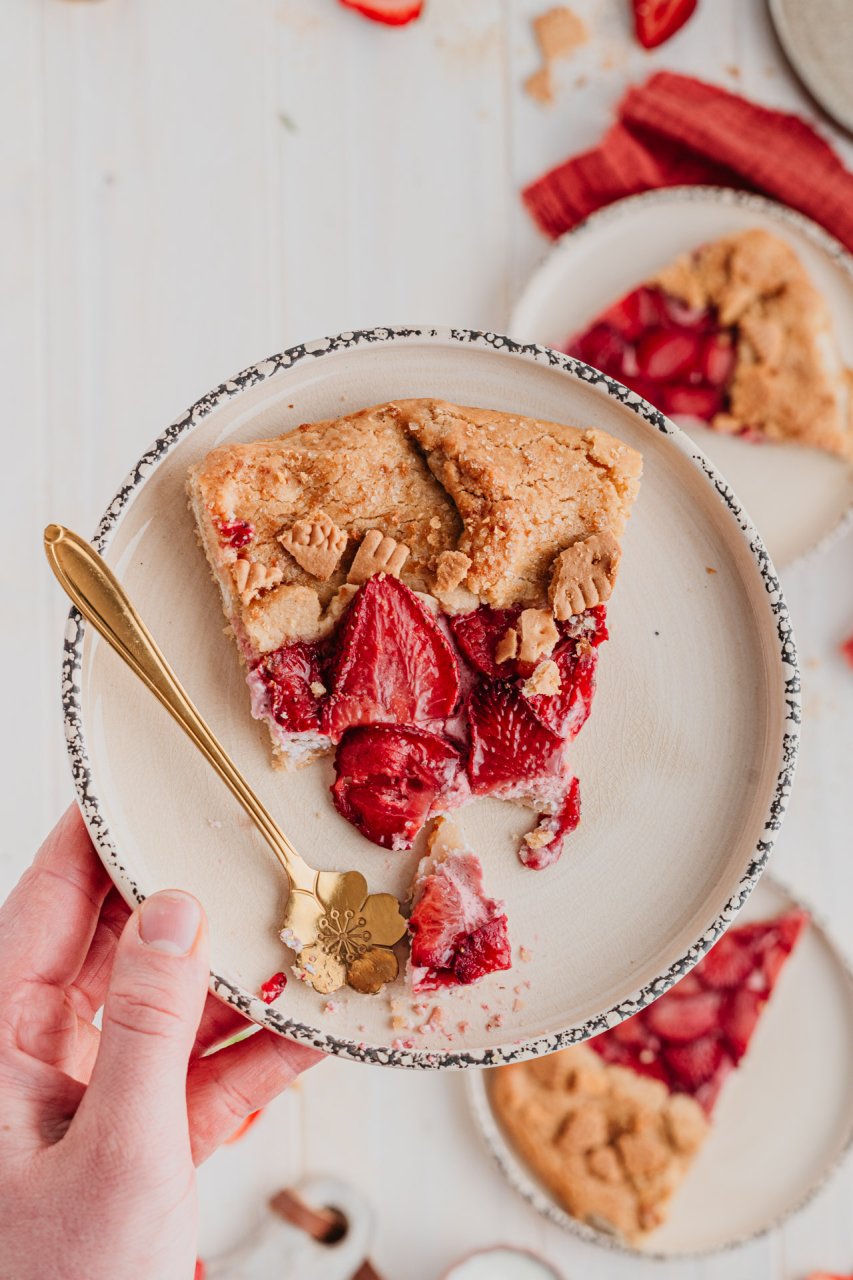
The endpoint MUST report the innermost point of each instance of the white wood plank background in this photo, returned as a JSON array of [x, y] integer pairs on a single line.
[[188, 185]]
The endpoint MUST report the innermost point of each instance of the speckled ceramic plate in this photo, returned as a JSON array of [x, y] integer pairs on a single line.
[[768, 1153], [685, 763], [818, 40], [799, 498]]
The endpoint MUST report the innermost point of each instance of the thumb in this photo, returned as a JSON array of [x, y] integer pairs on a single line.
[[151, 1014]]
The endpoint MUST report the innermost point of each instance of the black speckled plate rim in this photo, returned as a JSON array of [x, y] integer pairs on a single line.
[[499, 1147], [246, 1001]]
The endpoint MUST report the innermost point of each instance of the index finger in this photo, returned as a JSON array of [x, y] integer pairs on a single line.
[[48, 921]]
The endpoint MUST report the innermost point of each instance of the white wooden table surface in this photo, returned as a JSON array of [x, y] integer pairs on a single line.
[[188, 185]]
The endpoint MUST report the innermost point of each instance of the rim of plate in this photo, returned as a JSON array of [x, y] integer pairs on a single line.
[[523, 1181], [248, 1002], [805, 70], [812, 231]]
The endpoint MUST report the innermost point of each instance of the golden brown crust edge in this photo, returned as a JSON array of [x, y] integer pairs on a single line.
[[612, 1146], [504, 491]]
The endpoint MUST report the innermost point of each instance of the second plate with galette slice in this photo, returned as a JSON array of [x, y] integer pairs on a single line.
[[731, 314]]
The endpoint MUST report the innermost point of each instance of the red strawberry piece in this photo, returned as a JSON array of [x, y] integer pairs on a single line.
[[477, 633], [847, 651], [740, 1018], [288, 674], [717, 363], [656, 20], [644, 387], [706, 1095], [483, 952], [632, 1032], [684, 316], [458, 933], [790, 926], [642, 309], [602, 347], [692, 1064], [200, 1270], [566, 712], [781, 942], [391, 663], [273, 987], [244, 1126], [664, 354], [642, 1058], [686, 987], [509, 745], [686, 1018], [680, 400], [560, 824], [389, 778], [393, 13], [237, 533], [727, 964]]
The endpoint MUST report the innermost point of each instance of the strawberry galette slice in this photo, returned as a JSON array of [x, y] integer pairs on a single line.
[[421, 588], [613, 1126], [736, 335]]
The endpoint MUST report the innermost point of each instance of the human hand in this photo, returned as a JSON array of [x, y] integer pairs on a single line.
[[100, 1132]]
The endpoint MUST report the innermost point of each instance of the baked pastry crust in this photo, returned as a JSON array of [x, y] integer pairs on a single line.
[[789, 383], [481, 501], [611, 1145]]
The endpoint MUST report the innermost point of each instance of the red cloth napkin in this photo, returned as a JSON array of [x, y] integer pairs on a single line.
[[673, 130]]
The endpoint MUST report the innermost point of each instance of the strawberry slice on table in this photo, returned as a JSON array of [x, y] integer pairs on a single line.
[[393, 13], [391, 778], [288, 675], [511, 749], [391, 663], [695, 1034], [566, 711], [656, 20]]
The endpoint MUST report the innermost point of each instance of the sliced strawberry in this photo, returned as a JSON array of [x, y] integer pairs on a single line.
[[603, 347], [706, 1095], [566, 712], [391, 663], [642, 309], [510, 747], [683, 401], [632, 1031], [692, 1064], [664, 354], [740, 1017], [393, 13], [727, 964], [458, 933], [644, 1058], [847, 651], [688, 1018], [288, 675], [559, 825], [236, 533], [718, 359], [200, 1270], [656, 20], [389, 778], [477, 633]]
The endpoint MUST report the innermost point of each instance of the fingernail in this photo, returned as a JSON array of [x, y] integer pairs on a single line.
[[170, 922]]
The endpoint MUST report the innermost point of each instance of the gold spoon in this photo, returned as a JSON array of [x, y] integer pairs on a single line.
[[340, 932]]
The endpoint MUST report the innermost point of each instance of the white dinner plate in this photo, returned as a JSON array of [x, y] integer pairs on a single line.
[[818, 40], [783, 1124], [799, 498], [685, 763]]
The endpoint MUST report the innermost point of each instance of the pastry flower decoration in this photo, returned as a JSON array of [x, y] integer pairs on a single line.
[[342, 934]]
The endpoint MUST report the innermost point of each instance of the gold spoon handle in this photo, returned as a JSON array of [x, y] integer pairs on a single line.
[[94, 589]]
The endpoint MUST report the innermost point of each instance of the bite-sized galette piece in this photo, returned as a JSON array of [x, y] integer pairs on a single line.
[[458, 933], [422, 587], [612, 1126], [736, 335]]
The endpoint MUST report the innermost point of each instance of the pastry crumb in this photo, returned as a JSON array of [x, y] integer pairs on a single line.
[[540, 86], [544, 681], [559, 32], [495, 1022], [525, 955], [708, 569]]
